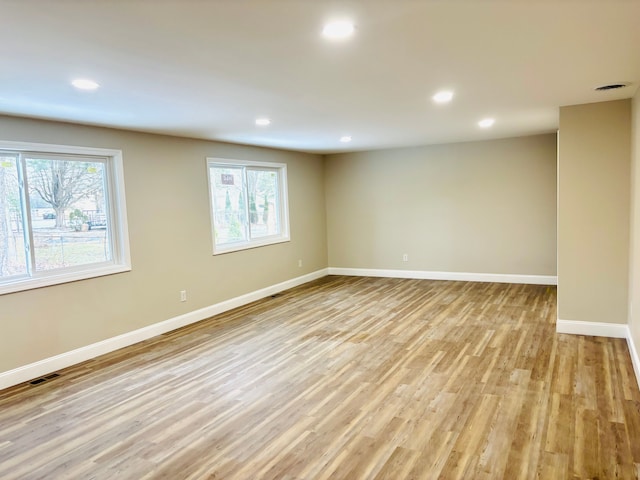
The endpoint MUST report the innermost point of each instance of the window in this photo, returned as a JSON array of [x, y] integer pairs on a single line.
[[248, 204], [62, 215]]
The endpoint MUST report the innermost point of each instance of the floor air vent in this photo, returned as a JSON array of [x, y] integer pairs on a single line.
[[611, 86], [38, 381]]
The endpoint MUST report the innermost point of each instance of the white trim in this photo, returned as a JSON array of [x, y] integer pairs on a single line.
[[455, 276], [66, 276], [73, 357], [118, 211], [593, 329], [55, 148], [635, 359]]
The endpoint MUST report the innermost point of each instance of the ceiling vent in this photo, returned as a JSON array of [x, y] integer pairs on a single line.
[[612, 86]]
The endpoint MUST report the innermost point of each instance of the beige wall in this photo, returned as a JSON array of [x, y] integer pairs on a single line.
[[634, 291], [478, 207], [169, 227], [593, 211]]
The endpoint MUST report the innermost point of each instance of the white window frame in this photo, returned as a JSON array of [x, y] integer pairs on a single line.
[[283, 207], [116, 211]]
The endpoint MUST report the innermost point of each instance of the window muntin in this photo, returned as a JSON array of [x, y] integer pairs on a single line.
[[248, 204], [62, 215]]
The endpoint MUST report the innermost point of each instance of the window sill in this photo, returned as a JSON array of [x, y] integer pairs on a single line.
[[247, 246], [30, 283]]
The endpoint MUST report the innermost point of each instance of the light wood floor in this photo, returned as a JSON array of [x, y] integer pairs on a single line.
[[343, 378]]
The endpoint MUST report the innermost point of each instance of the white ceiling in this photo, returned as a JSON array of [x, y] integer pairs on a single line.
[[207, 69]]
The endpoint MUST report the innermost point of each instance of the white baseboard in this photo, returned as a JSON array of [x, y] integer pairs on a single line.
[[73, 357], [635, 359], [456, 276], [593, 329]]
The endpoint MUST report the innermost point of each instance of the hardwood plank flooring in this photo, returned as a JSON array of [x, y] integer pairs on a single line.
[[342, 378]]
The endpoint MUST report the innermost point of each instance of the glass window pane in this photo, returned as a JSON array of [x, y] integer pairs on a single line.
[[13, 254], [68, 213], [248, 204], [229, 205], [263, 202]]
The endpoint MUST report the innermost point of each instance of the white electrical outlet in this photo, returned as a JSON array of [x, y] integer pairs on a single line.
[[183, 295], [299, 263], [405, 257]]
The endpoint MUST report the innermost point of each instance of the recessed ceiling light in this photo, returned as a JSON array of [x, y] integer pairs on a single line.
[[263, 122], [486, 122], [338, 30], [84, 84], [345, 138], [443, 97]]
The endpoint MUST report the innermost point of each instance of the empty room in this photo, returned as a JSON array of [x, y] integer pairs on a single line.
[[300, 240]]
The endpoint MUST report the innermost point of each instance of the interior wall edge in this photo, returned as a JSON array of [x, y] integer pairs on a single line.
[[88, 352], [635, 358]]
